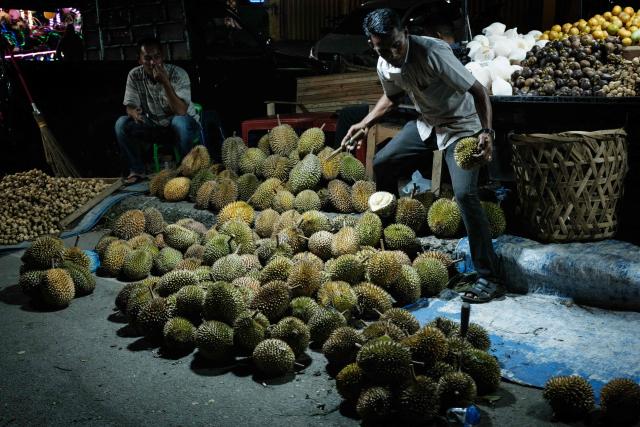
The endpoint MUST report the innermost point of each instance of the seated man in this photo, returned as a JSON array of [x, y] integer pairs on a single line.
[[452, 105], [157, 98]]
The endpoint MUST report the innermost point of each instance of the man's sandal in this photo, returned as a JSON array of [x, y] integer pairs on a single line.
[[482, 291]]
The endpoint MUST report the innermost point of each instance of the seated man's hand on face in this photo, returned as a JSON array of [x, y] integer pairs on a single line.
[[160, 74]]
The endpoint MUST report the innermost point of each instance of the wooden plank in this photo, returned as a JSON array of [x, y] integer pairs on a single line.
[[116, 183], [436, 172], [371, 152]]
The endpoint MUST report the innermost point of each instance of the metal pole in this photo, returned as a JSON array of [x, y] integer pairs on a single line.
[[465, 18]]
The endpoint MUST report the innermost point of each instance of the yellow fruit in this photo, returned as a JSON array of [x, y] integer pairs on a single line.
[[624, 17], [626, 41], [586, 30], [613, 29], [616, 10], [557, 28], [553, 35], [581, 24], [607, 16], [566, 27], [593, 22], [543, 37], [633, 28], [624, 33], [629, 11], [574, 31], [598, 34]]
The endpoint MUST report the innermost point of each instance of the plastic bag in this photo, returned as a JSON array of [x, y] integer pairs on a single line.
[[421, 185]]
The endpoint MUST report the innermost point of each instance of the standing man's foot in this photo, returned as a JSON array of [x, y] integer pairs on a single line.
[[483, 290]]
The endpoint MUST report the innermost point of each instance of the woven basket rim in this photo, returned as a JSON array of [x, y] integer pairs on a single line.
[[569, 137]]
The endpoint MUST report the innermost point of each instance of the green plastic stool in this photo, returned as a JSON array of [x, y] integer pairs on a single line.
[[176, 153]]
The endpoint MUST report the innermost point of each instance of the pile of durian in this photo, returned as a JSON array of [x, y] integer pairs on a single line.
[[572, 399], [53, 275], [283, 172], [32, 203]]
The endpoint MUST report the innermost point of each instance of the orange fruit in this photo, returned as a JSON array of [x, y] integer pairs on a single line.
[[629, 10], [616, 10]]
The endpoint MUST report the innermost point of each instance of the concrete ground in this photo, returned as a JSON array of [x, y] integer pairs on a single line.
[[77, 367]]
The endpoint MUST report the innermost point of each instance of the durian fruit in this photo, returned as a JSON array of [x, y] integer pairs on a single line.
[[438, 370], [142, 241], [478, 337], [196, 226], [249, 329], [271, 248], [374, 404], [385, 361], [263, 196], [382, 269], [232, 151], [304, 279], [369, 229], [325, 201], [282, 201], [570, 397], [283, 139], [56, 288], [265, 221], [179, 237], [313, 221], [444, 218], [411, 213], [173, 281], [427, 198], [456, 390], [223, 302], [323, 322], [444, 259], [456, 347], [309, 258], [399, 237], [241, 235], [330, 167], [247, 185], [288, 219], [216, 248], [129, 224], [123, 296], [342, 346], [448, 327], [272, 300], [383, 204], [77, 256], [198, 180], [263, 144], [195, 251], [311, 141], [344, 242], [251, 160], [204, 194], [303, 308], [418, 402], [100, 248], [620, 401], [351, 169], [236, 210], [177, 189], [138, 298], [350, 381], [305, 175], [372, 300], [248, 286], [152, 318], [273, 357], [347, 268], [401, 318], [483, 368], [294, 332], [114, 257], [343, 220], [158, 181], [166, 260], [340, 196], [360, 193], [428, 345], [137, 265], [225, 191], [320, 244], [228, 268], [179, 335], [381, 329], [189, 301], [189, 264], [275, 166], [433, 276], [278, 268], [29, 282], [467, 154], [307, 200], [339, 295], [197, 159], [495, 216], [214, 340], [227, 174], [294, 238], [407, 287]]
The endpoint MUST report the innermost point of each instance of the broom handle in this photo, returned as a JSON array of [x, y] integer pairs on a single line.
[[24, 83]]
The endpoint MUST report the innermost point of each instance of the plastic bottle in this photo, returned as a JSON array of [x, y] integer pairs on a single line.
[[467, 417]]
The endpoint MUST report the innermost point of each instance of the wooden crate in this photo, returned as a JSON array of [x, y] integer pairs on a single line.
[[335, 91], [114, 185]]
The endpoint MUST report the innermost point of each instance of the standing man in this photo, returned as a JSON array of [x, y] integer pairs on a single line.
[[157, 97], [451, 105]]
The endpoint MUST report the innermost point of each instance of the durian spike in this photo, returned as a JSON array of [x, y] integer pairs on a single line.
[[153, 293], [379, 313], [358, 345], [416, 362], [278, 117], [322, 127], [382, 244], [299, 364]]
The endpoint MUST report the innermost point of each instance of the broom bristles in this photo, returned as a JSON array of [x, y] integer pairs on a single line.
[[54, 155]]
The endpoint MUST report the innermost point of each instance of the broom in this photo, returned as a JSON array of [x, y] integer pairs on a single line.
[[55, 157]]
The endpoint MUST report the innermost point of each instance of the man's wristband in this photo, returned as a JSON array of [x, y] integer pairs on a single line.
[[490, 132]]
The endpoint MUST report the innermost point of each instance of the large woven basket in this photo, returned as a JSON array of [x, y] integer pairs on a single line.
[[569, 184]]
